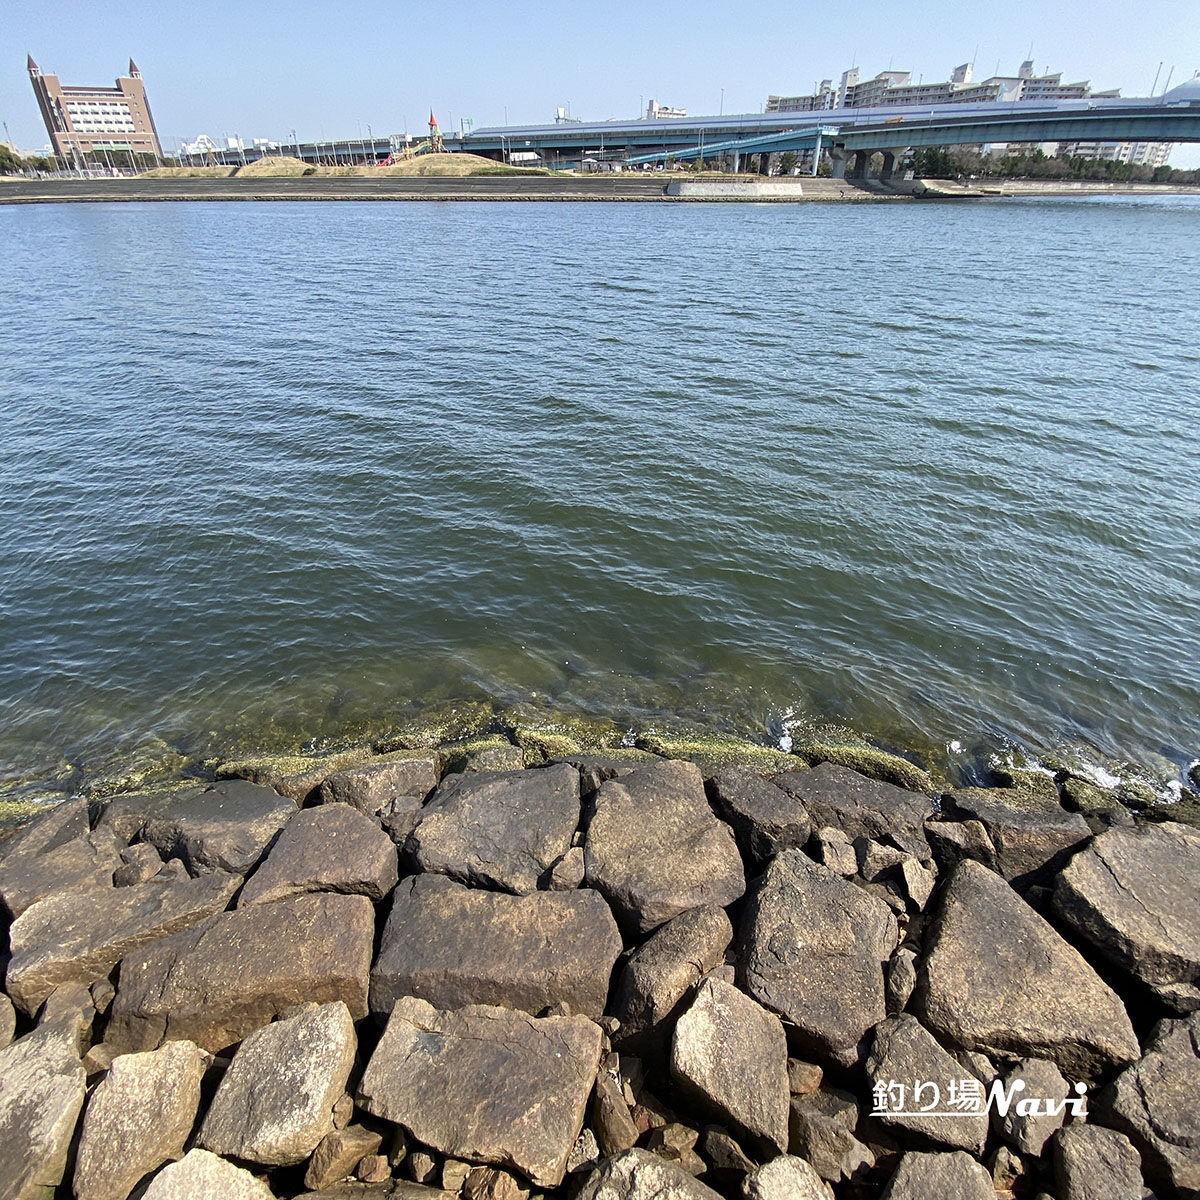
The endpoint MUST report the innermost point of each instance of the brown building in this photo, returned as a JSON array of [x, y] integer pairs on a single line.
[[92, 120]]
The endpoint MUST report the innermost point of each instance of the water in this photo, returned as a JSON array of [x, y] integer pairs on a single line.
[[273, 472]]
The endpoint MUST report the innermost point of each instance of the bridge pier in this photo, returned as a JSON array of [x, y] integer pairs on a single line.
[[838, 158], [860, 161]]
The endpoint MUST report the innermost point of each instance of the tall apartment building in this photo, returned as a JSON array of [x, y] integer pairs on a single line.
[[86, 120]]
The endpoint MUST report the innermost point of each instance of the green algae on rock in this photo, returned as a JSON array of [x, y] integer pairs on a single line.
[[434, 726], [871, 762], [714, 752]]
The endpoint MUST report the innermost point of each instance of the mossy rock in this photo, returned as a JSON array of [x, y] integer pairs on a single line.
[[1034, 783], [293, 775], [871, 762], [479, 753], [436, 726], [546, 736], [15, 812], [713, 753], [1137, 795], [1083, 796], [1186, 811], [151, 766]]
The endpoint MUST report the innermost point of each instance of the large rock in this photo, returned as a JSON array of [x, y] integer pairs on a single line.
[[824, 1137], [1033, 835], [427, 1070], [138, 1118], [1039, 1080], [655, 849], [1134, 894], [1154, 1104], [502, 830], [215, 982], [812, 948], [201, 1175], [332, 848], [226, 827], [55, 826], [41, 1093], [275, 1103], [730, 1054], [85, 863], [640, 1175], [8, 1021], [997, 978], [765, 818], [905, 1052], [1094, 1163], [375, 787], [338, 1153], [78, 937], [785, 1178], [861, 807], [661, 972], [939, 1177], [454, 946]]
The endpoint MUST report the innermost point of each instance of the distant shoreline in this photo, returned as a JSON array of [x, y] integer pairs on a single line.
[[622, 188]]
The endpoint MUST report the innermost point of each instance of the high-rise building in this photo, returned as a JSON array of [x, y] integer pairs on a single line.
[[91, 120]]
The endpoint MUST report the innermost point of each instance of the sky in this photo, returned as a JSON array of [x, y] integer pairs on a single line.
[[262, 68]]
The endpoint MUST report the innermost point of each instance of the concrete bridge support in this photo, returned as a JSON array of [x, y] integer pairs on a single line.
[[838, 159]]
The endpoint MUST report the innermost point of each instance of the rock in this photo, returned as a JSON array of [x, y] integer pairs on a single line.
[[1094, 1163], [765, 819], [8, 1020], [502, 756], [641, 1175], [502, 829], [954, 841], [455, 946], [826, 1142], [785, 1178], [731, 1055], [138, 863], [139, 1117], [1134, 894], [230, 974], [999, 979], [585, 1153], [422, 1167], [85, 863], [425, 1073], [490, 1183], [938, 1177], [661, 972], [812, 948], [1078, 795], [295, 776], [226, 827], [454, 1175], [916, 882], [568, 872], [343, 1111], [1006, 1168], [727, 1161], [338, 1153], [655, 850], [804, 1078], [833, 850], [102, 992], [875, 860], [901, 979], [1033, 836], [860, 807], [275, 1103], [41, 1093], [676, 1143], [615, 1130], [1029, 1132], [373, 1168], [71, 1008], [57, 825], [903, 1052], [332, 848], [77, 937], [199, 1175], [374, 787], [1154, 1104]]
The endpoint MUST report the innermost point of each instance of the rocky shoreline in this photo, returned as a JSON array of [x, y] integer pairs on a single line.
[[479, 972]]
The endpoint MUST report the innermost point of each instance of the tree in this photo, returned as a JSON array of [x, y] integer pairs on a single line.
[[10, 163], [787, 162]]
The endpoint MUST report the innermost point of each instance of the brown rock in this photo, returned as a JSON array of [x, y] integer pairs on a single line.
[[374, 787], [337, 1154], [200, 1175], [86, 863], [615, 1130]]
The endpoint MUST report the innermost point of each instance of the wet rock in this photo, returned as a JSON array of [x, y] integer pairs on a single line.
[[230, 974], [8, 1021], [1094, 1163], [833, 849], [200, 1175], [490, 1183], [1154, 1104], [41, 1093], [138, 863], [615, 1130], [374, 787], [455, 946], [825, 1141], [275, 1102], [661, 972], [812, 948], [904, 1052], [731, 1055], [1030, 1131], [764, 818], [785, 1178], [954, 841], [1034, 836], [85, 863], [938, 1177], [999, 979], [861, 807], [502, 756], [295, 776], [139, 1117], [655, 850], [1078, 795], [227, 827], [640, 1175], [676, 1143], [78, 937], [502, 829], [332, 848], [901, 979], [425, 1073], [1134, 894]]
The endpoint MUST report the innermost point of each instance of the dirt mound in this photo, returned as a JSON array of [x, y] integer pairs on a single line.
[[188, 173], [453, 164], [274, 164]]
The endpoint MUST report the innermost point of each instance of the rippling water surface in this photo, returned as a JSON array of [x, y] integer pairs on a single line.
[[929, 470]]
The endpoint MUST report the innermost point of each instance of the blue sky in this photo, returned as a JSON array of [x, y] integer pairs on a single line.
[[262, 69]]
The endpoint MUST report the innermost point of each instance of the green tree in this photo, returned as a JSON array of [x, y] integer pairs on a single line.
[[787, 162], [10, 163]]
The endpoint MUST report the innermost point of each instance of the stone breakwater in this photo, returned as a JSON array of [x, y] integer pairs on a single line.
[[608, 978]]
